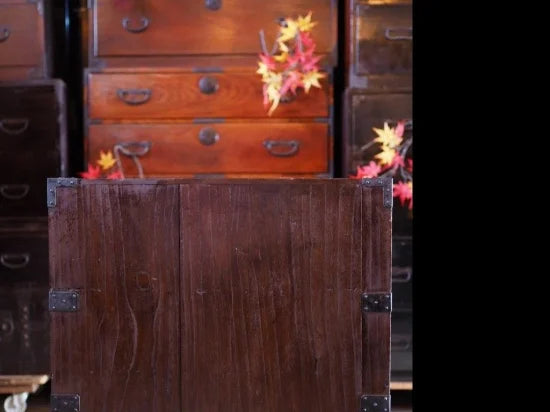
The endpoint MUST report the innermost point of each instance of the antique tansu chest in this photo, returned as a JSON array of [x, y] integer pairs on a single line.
[[220, 295]]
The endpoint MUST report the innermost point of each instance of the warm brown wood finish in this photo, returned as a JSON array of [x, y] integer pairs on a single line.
[[177, 95], [120, 352], [33, 144], [185, 27], [208, 295], [240, 147], [24, 347], [22, 40]]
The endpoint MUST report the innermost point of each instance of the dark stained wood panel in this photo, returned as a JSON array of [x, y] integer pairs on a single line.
[[271, 286], [120, 352]]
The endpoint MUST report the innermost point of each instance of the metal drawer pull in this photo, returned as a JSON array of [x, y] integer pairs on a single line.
[[15, 261], [5, 33], [208, 136], [398, 33], [213, 4], [401, 274], [400, 343], [132, 150], [393, 123], [292, 145], [208, 85], [14, 126], [6, 324], [144, 24], [14, 192], [132, 96]]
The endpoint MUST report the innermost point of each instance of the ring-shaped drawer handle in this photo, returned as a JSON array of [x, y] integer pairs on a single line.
[[14, 126], [15, 260], [144, 23], [289, 147], [134, 97], [4, 34], [398, 33], [14, 192]]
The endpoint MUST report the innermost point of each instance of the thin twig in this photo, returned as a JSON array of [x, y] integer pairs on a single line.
[[262, 43]]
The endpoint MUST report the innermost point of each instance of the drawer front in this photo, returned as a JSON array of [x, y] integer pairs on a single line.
[[401, 345], [170, 96], [183, 149], [366, 111], [21, 35], [24, 257], [184, 27], [24, 329], [382, 40], [402, 273]]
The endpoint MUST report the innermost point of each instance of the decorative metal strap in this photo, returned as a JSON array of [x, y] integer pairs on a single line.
[[65, 403], [375, 403]]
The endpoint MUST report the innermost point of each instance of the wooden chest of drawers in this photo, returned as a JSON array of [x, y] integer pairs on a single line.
[[24, 40], [178, 78], [210, 295], [32, 148]]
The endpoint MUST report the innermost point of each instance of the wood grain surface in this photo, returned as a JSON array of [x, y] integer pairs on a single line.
[[177, 95]]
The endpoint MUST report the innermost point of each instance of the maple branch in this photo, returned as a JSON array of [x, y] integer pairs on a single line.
[[366, 146], [262, 43]]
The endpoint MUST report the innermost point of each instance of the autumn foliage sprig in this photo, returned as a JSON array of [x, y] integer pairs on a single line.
[[106, 162], [291, 64], [390, 161]]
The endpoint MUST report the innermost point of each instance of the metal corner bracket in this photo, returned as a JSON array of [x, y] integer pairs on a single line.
[[65, 403], [376, 302], [54, 183], [375, 403], [387, 186]]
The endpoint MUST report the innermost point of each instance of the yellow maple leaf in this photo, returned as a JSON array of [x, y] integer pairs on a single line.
[[289, 31], [262, 69], [282, 46], [305, 23], [387, 136], [385, 156], [281, 57], [106, 160], [312, 79]]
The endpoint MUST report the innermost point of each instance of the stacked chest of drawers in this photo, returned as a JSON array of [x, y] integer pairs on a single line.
[[173, 84], [379, 89], [32, 148]]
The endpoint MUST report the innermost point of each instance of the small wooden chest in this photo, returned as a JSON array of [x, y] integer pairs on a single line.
[[211, 295]]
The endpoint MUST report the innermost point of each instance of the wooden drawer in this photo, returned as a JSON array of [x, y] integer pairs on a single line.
[[179, 95], [183, 149], [24, 329], [365, 111], [24, 257], [205, 27], [32, 144], [22, 40], [382, 39]]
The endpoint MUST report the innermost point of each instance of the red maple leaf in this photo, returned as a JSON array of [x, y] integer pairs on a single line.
[[404, 192], [292, 82], [306, 39], [398, 161], [268, 61], [368, 171], [400, 129], [410, 165], [115, 175], [91, 173], [311, 64]]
